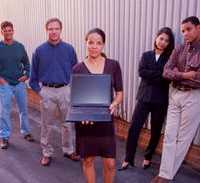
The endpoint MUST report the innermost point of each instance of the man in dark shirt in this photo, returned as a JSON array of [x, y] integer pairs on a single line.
[[14, 71], [183, 69], [52, 65]]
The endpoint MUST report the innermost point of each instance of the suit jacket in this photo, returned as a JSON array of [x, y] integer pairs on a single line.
[[153, 87]]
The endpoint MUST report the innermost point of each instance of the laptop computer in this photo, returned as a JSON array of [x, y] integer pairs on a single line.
[[90, 98]]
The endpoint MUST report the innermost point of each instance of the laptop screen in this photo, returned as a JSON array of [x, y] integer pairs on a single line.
[[91, 90]]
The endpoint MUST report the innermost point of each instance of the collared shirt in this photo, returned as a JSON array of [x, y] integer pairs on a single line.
[[52, 64], [14, 62], [184, 58]]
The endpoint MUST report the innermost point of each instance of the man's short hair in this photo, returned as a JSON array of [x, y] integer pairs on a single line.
[[6, 24], [193, 19], [53, 20]]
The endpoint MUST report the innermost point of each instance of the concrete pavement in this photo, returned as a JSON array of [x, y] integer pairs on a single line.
[[20, 163]]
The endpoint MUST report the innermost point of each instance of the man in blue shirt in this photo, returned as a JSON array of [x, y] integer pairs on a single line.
[[14, 71], [52, 65]]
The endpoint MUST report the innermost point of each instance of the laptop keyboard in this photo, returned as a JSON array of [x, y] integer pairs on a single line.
[[89, 110]]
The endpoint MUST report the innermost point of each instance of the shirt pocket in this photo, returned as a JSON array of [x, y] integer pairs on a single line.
[[194, 63]]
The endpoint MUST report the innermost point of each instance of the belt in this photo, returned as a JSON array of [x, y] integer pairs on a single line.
[[184, 88], [53, 85]]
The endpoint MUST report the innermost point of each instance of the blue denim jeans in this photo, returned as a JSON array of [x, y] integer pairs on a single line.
[[6, 93]]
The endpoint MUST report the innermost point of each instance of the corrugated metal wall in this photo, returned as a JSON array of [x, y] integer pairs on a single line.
[[130, 26]]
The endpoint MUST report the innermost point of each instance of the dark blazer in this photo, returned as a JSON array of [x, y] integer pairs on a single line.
[[153, 87]]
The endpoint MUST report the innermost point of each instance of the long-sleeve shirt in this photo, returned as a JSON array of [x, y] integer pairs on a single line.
[[52, 64], [14, 62], [184, 58]]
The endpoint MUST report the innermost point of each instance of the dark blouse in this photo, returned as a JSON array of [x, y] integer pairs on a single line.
[[101, 128]]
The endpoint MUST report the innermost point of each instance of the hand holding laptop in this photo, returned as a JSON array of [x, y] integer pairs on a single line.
[[113, 107], [87, 122]]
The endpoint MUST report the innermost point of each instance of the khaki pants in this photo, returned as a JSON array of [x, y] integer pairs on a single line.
[[183, 119], [56, 99]]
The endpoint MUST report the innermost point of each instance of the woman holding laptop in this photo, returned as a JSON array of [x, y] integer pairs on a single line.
[[98, 139]]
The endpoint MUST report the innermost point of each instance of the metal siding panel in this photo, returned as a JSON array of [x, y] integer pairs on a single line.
[[107, 25], [184, 8], [126, 37], [117, 30], [176, 17], [136, 56], [169, 13], [162, 13], [198, 8], [131, 63], [148, 27], [192, 7], [112, 29]]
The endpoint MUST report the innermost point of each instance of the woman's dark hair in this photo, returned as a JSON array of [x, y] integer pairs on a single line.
[[170, 47], [99, 32]]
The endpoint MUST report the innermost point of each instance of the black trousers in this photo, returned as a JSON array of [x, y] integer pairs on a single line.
[[141, 112]]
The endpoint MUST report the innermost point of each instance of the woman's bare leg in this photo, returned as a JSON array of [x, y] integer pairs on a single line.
[[108, 170], [88, 169]]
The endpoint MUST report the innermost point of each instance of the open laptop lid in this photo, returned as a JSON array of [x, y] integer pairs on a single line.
[[91, 90]]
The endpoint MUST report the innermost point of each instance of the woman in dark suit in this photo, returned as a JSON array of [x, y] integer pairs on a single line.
[[152, 97]]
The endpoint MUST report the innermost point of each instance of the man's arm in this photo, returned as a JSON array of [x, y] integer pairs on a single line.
[[171, 71], [34, 78], [150, 73], [74, 57], [26, 66]]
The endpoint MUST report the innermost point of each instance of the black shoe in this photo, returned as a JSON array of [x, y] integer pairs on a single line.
[[4, 144], [124, 167], [29, 138], [146, 166]]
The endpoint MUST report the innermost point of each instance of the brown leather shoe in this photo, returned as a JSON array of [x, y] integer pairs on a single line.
[[45, 161], [159, 179], [73, 156]]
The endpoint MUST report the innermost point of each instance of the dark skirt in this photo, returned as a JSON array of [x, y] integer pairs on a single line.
[[96, 140]]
